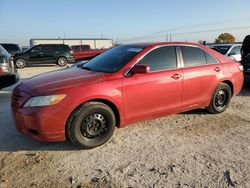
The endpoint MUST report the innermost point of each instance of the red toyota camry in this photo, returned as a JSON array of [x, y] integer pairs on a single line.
[[126, 84]]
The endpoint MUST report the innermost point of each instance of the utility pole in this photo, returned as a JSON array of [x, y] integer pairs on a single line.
[[167, 36], [63, 37], [170, 37]]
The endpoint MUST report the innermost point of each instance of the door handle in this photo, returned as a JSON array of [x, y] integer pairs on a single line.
[[217, 69], [176, 76], [41, 53]]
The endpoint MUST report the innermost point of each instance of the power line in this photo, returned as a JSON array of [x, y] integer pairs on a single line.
[[237, 20], [184, 33]]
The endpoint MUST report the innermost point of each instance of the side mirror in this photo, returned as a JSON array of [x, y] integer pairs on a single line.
[[140, 69], [232, 53]]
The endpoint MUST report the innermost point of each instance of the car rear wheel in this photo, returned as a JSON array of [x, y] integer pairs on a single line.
[[220, 99], [91, 125], [62, 61], [21, 63]]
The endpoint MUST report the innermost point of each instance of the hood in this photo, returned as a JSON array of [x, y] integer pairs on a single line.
[[60, 79]]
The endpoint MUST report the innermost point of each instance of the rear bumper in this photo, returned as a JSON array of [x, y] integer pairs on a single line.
[[8, 80]]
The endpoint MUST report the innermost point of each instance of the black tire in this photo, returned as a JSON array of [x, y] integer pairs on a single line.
[[62, 61], [91, 125], [220, 99], [21, 63]]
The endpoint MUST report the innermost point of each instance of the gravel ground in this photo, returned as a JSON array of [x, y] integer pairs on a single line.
[[193, 149]]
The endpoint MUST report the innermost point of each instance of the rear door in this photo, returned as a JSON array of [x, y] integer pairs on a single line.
[[49, 53], [201, 72], [157, 92]]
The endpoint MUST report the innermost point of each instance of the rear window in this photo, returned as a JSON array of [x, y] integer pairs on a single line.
[[59, 47], [76, 48]]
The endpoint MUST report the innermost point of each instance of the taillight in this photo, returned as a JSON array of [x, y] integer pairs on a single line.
[[241, 67]]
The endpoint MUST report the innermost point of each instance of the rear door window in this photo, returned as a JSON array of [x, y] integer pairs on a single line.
[[160, 59], [76, 48], [193, 56], [47, 48], [85, 47], [210, 59]]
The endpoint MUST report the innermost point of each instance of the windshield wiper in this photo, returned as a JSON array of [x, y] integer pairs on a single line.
[[87, 68]]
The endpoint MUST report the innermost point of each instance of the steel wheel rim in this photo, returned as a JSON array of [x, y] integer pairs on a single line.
[[221, 98], [20, 63], [93, 126]]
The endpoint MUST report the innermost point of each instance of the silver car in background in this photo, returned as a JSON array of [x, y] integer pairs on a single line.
[[230, 50], [8, 73]]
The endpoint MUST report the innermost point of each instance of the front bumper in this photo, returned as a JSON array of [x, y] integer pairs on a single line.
[[8, 80], [41, 123]]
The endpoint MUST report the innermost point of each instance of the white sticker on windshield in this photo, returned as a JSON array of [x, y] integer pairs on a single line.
[[134, 50]]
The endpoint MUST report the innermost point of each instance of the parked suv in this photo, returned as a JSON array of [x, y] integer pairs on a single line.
[[11, 48], [60, 54], [8, 74]]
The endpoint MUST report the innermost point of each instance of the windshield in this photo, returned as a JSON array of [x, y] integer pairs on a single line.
[[223, 49], [113, 60]]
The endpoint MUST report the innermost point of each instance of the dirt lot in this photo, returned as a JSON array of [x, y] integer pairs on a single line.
[[193, 149]]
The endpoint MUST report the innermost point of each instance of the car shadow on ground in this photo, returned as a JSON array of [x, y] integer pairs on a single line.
[[245, 89]]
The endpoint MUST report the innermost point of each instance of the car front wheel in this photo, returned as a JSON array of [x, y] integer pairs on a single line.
[[220, 99], [21, 63], [91, 125], [62, 61]]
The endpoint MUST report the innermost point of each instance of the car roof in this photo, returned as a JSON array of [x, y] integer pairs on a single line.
[[155, 44]]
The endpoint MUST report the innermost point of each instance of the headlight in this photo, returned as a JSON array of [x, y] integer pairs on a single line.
[[44, 100]]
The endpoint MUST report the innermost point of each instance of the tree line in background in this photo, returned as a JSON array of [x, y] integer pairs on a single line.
[[225, 38]]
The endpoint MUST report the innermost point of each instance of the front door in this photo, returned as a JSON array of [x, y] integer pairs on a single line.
[[157, 92], [36, 54]]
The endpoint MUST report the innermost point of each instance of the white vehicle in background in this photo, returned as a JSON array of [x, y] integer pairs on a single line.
[[230, 50]]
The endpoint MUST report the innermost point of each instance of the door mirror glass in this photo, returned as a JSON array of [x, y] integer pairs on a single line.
[[140, 69]]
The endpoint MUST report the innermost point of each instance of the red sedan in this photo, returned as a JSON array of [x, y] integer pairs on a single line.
[[124, 85]]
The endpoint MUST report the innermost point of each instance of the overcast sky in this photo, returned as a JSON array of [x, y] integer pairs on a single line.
[[125, 21]]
